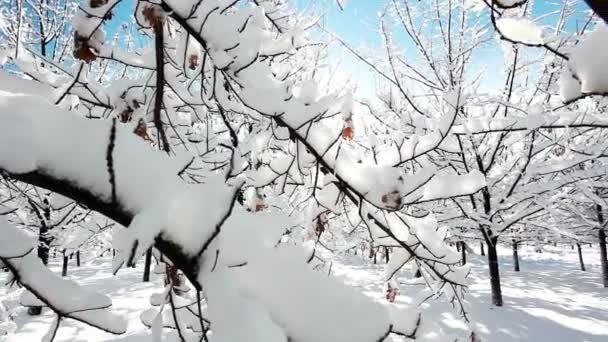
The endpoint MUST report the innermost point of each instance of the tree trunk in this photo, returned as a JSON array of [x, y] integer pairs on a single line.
[[494, 272], [147, 265], [43, 244], [386, 256], [64, 270], [77, 258], [463, 252], [515, 257], [603, 256], [580, 256], [483, 252], [602, 242], [44, 237], [418, 274]]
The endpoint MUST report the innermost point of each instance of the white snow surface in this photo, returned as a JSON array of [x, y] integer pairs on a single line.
[[549, 300]]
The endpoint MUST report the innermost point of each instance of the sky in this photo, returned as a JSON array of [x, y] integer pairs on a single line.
[[358, 25]]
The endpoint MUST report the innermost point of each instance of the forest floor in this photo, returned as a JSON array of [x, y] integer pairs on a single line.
[[550, 299]]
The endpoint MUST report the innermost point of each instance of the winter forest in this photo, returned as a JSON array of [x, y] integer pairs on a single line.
[[303, 170]]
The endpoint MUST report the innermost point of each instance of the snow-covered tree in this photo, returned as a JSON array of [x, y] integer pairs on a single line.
[[195, 142]]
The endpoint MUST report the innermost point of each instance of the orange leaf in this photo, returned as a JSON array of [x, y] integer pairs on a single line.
[[347, 133]]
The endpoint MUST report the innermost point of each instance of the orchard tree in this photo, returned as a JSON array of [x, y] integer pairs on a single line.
[[584, 207], [512, 136], [194, 144]]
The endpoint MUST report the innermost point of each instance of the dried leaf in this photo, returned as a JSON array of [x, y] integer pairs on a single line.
[[97, 3], [347, 133]]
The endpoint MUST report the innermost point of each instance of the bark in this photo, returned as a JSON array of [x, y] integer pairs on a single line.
[[147, 265], [603, 256], [77, 258], [43, 244], [44, 237], [463, 252], [599, 7], [64, 269], [602, 242], [494, 272], [515, 257], [34, 310], [160, 83], [580, 256], [483, 252], [386, 256]]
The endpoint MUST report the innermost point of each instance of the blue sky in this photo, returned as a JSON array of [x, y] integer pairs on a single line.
[[358, 25]]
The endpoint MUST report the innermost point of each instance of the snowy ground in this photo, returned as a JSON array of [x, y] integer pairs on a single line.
[[549, 300]]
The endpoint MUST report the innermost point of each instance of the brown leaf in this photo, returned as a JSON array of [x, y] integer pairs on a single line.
[[97, 3], [347, 133], [142, 130], [152, 15], [82, 50], [125, 115], [392, 199]]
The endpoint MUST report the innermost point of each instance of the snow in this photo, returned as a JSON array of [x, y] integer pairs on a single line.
[[512, 122], [550, 299], [586, 71], [447, 186], [569, 86], [13, 242], [65, 296], [37, 129], [270, 290], [520, 30], [319, 307]]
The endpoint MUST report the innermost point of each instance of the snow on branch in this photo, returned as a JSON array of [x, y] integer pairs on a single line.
[[586, 74], [519, 30], [555, 119], [177, 226], [64, 297], [120, 182]]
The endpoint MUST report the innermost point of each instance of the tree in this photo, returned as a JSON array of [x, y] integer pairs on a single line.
[[229, 119]]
